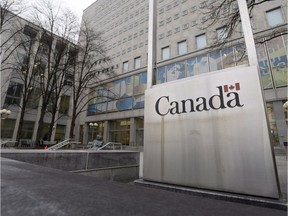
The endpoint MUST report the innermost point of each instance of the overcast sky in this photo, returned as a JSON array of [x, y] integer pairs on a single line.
[[76, 6]]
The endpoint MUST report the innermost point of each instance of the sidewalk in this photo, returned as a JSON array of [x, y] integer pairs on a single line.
[[33, 190]]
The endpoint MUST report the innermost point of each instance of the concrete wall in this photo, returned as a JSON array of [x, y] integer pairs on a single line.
[[110, 165]]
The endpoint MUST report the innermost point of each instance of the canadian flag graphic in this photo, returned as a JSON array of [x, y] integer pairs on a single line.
[[235, 87]]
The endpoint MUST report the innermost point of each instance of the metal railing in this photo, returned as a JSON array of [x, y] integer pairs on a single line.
[[60, 145], [4, 142], [111, 146]]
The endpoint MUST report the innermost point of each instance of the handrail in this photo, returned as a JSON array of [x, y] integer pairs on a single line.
[[60, 145], [110, 143], [8, 141]]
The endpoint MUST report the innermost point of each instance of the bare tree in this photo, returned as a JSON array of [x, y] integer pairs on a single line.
[[226, 13], [10, 26], [58, 28], [90, 65], [28, 70], [52, 65]]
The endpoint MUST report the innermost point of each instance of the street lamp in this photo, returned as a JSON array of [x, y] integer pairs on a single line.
[[285, 106], [93, 125], [5, 113]]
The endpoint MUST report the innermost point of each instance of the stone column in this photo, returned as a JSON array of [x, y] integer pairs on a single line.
[[132, 132], [106, 132], [280, 121]]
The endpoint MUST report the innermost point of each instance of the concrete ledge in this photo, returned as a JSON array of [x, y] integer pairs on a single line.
[[109, 165], [250, 200]]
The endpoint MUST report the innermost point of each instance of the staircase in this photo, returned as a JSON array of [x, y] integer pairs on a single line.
[[60, 145]]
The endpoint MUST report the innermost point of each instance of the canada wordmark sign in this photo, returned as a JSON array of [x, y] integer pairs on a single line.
[[210, 131]]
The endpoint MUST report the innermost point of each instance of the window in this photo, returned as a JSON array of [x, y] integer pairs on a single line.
[[169, 33], [201, 41], [184, 13], [14, 93], [177, 30], [137, 62], [64, 104], [176, 16], [194, 23], [222, 33], [274, 17], [165, 53], [182, 47], [168, 20], [193, 9], [185, 26], [125, 66]]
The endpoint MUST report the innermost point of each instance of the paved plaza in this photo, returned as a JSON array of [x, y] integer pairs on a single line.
[[28, 189]]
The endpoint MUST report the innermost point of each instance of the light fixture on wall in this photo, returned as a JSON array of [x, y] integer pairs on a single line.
[[5, 113], [93, 125], [285, 106]]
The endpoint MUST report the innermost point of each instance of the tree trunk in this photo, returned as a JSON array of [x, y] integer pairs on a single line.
[[20, 127], [39, 134], [73, 120]]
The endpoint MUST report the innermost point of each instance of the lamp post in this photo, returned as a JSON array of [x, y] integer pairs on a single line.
[[5, 113], [285, 106], [93, 125]]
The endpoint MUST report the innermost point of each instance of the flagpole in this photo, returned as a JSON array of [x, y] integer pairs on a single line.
[[248, 34], [152, 34], [253, 61]]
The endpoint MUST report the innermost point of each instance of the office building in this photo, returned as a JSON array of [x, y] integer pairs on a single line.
[[185, 47], [25, 50]]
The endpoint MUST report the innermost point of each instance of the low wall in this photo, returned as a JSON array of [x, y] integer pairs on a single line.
[[110, 165]]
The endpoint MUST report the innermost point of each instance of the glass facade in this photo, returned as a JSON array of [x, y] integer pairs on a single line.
[[120, 131], [27, 130], [272, 57], [93, 131], [119, 95], [7, 128], [60, 132], [272, 123], [139, 131]]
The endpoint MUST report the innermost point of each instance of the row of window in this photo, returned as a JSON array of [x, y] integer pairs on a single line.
[[8, 125], [119, 95], [136, 64], [274, 18], [116, 14], [201, 42], [14, 94], [272, 57], [129, 49], [129, 38], [192, 9], [128, 28]]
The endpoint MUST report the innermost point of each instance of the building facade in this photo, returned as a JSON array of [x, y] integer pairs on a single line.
[[185, 47], [24, 68]]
